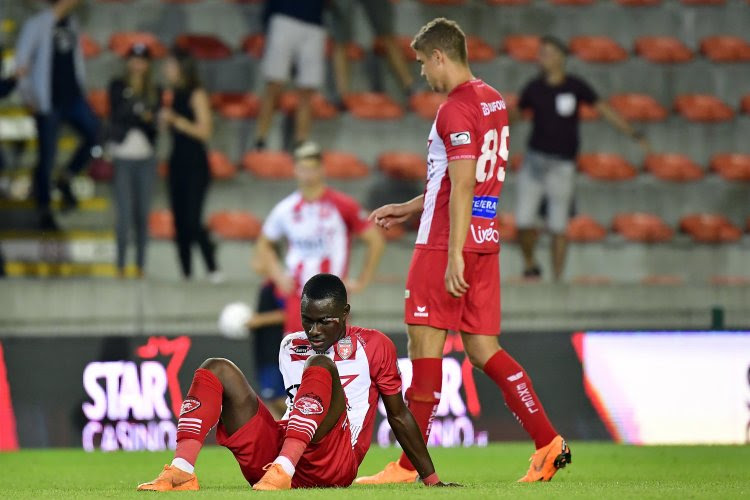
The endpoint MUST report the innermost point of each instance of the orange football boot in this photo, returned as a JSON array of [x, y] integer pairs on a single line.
[[393, 473], [172, 479], [274, 479], [546, 461]]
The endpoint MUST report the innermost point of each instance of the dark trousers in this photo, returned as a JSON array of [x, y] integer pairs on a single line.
[[134, 180], [77, 114], [188, 185]]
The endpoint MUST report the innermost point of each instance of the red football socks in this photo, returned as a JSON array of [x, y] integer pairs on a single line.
[[520, 397], [423, 396], [199, 413]]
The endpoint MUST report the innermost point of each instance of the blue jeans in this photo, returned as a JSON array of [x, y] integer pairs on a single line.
[[78, 115]]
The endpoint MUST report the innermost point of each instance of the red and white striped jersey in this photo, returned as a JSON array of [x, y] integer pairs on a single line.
[[471, 124], [318, 232], [368, 366]]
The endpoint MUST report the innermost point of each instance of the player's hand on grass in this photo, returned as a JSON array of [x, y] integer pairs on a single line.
[[455, 283], [390, 215]]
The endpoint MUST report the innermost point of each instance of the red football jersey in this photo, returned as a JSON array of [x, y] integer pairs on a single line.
[[471, 124]]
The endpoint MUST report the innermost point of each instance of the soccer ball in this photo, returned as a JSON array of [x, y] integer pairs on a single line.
[[233, 319]]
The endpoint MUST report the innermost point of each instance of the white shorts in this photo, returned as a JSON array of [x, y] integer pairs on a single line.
[[294, 42], [543, 176]]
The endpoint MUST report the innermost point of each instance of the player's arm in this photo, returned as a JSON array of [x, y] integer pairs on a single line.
[[266, 262], [410, 438], [375, 245], [463, 179], [395, 213], [268, 318], [621, 124]]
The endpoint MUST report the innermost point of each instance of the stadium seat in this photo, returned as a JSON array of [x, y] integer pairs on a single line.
[[403, 41], [101, 170], [235, 105], [662, 49], [638, 3], [642, 227], [702, 108], [99, 101], [253, 45], [507, 2], [524, 48], [394, 233], [597, 49], [586, 112], [606, 166], [161, 225], [235, 225], [354, 52], [663, 280], [120, 43], [221, 167], [269, 164], [745, 104], [426, 104], [732, 166], [725, 48], [639, 107], [710, 228], [515, 162], [373, 106], [342, 165], [729, 280], [572, 2], [89, 46], [203, 46], [506, 226], [583, 228], [322, 109], [673, 167], [479, 50], [403, 165]]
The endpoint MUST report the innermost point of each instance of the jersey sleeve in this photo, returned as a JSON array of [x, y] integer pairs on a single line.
[[284, 360], [354, 216], [456, 126], [273, 227], [586, 93], [384, 364]]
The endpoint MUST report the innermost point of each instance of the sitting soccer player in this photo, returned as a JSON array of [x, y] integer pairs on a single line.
[[333, 373]]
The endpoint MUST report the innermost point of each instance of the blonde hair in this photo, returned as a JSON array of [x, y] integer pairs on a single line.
[[444, 35]]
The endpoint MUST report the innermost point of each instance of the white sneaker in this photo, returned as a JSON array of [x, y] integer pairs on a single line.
[[216, 278]]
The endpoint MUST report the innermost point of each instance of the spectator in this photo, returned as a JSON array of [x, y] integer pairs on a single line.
[[49, 54], [134, 101], [549, 167], [189, 120], [380, 15], [294, 36], [318, 224]]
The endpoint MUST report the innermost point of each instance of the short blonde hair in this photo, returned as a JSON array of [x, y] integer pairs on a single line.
[[444, 35]]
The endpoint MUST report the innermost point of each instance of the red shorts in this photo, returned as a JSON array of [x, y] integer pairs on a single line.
[[429, 303], [329, 463]]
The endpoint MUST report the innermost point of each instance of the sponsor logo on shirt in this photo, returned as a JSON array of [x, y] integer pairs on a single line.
[[491, 107], [484, 207], [421, 312], [485, 234], [460, 138], [565, 104]]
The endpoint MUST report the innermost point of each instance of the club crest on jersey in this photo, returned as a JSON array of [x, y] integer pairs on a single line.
[[460, 138], [309, 404], [345, 348], [189, 405]]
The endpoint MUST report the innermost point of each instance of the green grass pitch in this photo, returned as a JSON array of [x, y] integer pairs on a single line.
[[599, 470]]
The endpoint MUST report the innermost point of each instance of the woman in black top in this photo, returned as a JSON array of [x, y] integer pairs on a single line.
[[134, 101], [189, 120]]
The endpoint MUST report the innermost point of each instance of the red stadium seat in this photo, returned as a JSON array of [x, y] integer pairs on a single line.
[[342, 165], [572, 2], [403, 165], [523, 48], [710, 228], [597, 49], [728, 280], [663, 280], [120, 43], [161, 225], [662, 49], [583, 228], [221, 167], [322, 109], [89, 46], [269, 164], [354, 52], [235, 225], [507, 2], [99, 102], [101, 170], [638, 107], [638, 3], [393, 233], [373, 106], [725, 48], [403, 41], [606, 166], [732, 166], [506, 226], [479, 50], [642, 228], [702, 108], [235, 105], [254, 45], [426, 104], [673, 167], [203, 46], [587, 112], [745, 104], [515, 162]]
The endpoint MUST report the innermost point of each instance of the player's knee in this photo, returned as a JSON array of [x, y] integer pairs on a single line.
[[220, 367], [322, 361]]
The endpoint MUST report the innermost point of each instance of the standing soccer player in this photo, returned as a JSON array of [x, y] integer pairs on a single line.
[[466, 158]]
